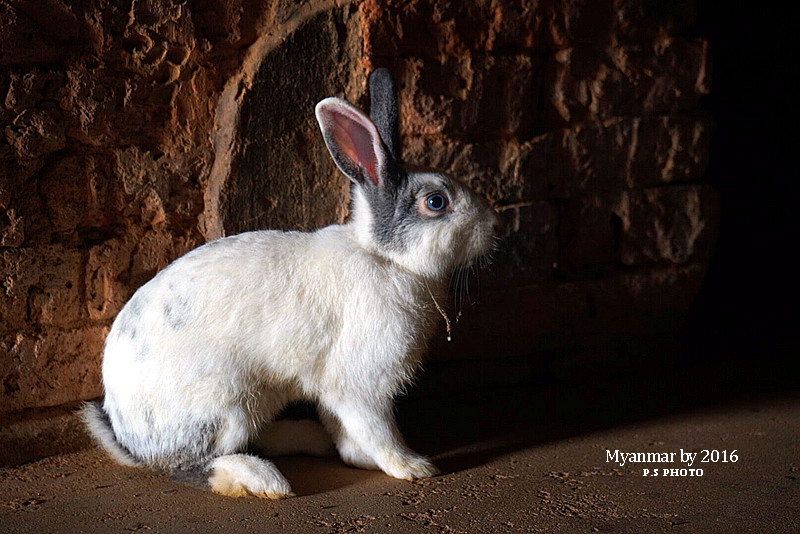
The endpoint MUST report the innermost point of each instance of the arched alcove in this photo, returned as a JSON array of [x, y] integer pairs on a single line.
[[280, 174]]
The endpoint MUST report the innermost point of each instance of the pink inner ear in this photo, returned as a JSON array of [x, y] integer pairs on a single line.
[[355, 142]]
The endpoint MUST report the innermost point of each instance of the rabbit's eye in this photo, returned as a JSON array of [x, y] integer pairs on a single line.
[[436, 202]]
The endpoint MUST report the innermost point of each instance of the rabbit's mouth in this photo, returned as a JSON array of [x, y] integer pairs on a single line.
[[483, 243]]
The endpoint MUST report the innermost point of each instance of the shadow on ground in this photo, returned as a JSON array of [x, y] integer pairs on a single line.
[[471, 429], [527, 459]]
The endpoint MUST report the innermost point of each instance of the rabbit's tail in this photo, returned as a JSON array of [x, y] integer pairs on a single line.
[[99, 426]]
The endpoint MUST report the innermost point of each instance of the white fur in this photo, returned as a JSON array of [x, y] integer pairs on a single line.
[[95, 420], [237, 475], [265, 318]]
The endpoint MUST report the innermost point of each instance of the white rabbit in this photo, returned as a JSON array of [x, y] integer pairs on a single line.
[[203, 356]]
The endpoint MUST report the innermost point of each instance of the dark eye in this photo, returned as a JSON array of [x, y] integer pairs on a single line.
[[436, 202]]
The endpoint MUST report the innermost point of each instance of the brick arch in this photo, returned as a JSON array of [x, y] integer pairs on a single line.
[[271, 169]]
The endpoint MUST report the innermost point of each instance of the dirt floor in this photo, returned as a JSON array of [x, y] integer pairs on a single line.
[[546, 471]]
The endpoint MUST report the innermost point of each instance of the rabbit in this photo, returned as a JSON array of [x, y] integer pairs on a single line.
[[203, 356]]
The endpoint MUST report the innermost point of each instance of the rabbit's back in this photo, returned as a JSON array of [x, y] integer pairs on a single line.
[[258, 319]]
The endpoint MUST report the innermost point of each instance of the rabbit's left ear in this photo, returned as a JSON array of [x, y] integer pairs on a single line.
[[383, 110], [353, 141]]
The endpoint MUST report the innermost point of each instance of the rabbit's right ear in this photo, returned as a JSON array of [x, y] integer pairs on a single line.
[[353, 141]]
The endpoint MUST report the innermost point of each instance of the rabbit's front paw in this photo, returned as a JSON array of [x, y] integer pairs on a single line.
[[410, 467]]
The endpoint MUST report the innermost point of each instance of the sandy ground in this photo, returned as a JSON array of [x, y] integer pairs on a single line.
[[551, 474]]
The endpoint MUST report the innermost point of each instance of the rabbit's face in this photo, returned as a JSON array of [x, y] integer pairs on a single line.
[[424, 221], [431, 225]]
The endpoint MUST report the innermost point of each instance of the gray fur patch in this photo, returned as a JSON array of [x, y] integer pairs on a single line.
[[136, 305], [177, 307], [383, 110], [127, 326], [198, 447], [130, 315], [175, 319], [185, 448], [395, 211], [142, 352]]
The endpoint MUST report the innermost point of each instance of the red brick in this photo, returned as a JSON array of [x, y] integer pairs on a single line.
[[468, 95], [598, 233], [601, 22], [675, 224], [430, 28], [42, 286], [593, 84], [619, 153], [51, 367], [107, 287]]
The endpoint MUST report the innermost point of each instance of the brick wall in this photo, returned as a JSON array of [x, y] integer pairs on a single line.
[[581, 121], [131, 135]]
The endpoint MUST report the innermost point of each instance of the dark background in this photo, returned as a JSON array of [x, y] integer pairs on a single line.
[[743, 313], [739, 342]]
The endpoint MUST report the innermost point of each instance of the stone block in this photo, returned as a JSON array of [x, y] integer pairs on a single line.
[[468, 95], [50, 367], [668, 149], [599, 233], [42, 286], [28, 87], [90, 100], [600, 22], [12, 228], [23, 41], [614, 155], [593, 84], [36, 132], [430, 27], [589, 235], [142, 179], [107, 272], [153, 251], [64, 187], [26, 222], [490, 168], [675, 224]]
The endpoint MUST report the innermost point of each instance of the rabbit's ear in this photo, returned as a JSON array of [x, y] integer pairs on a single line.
[[353, 141], [383, 110]]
